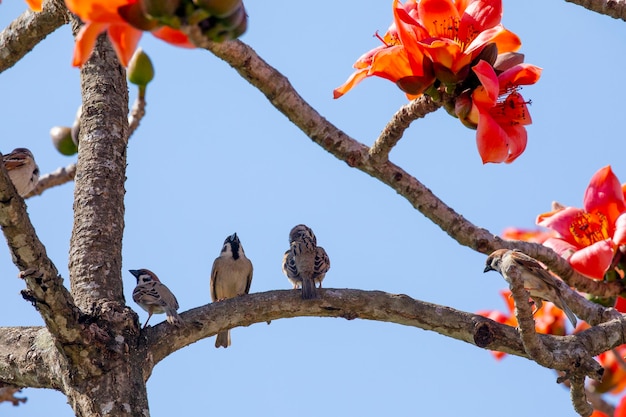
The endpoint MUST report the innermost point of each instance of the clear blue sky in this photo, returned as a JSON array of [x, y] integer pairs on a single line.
[[213, 157]]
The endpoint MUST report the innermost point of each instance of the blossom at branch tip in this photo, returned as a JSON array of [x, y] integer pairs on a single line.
[[499, 111], [101, 16], [433, 40], [453, 34], [394, 61], [590, 237]]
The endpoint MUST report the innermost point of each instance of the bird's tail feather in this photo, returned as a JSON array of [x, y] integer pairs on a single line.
[[568, 312], [222, 339], [308, 289], [174, 318]]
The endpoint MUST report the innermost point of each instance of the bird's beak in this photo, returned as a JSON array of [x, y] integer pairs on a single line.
[[134, 272], [488, 268], [233, 237]]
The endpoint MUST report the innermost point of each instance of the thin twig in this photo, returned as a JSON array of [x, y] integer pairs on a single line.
[[400, 121]]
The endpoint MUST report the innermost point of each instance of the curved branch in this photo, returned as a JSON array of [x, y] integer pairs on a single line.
[[400, 121], [350, 304], [30, 28], [28, 358], [285, 98], [613, 8]]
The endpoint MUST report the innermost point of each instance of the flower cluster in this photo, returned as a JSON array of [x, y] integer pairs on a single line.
[[591, 237], [459, 47], [593, 240], [124, 21]]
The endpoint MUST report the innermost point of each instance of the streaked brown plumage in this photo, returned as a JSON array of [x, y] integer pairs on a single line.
[[538, 281], [305, 263], [154, 297]]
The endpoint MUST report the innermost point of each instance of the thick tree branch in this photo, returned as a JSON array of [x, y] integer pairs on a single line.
[[29, 358], [206, 321], [21, 36], [283, 96], [96, 243], [613, 8], [44, 285]]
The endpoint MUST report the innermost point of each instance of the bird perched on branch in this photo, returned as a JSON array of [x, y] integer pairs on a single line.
[[22, 169], [304, 263], [154, 297], [538, 281], [231, 276]]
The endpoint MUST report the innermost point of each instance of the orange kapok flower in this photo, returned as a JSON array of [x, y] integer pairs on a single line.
[[396, 60], [500, 112], [590, 237], [453, 34], [103, 16]]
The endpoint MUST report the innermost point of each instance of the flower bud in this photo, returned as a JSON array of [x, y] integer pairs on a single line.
[[140, 69], [465, 110], [62, 140]]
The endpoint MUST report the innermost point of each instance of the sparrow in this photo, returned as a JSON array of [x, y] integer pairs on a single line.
[[22, 169], [154, 297], [304, 263], [231, 276], [537, 280]]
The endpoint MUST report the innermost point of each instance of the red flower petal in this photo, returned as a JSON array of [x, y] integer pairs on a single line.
[[605, 194], [593, 261], [560, 221], [124, 39]]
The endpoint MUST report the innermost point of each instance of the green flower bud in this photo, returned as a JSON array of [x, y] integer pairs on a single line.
[[140, 69], [62, 140]]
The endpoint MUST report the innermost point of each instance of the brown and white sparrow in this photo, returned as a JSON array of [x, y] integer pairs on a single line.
[[305, 263], [537, 280], [154, 297], [22, 169], [231, 276]]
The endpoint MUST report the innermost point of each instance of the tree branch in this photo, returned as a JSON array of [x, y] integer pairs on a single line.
[[208, 320], [44, 285], [29, 358], [613, 8], [96, 243], [400, 121], [30, 28]]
